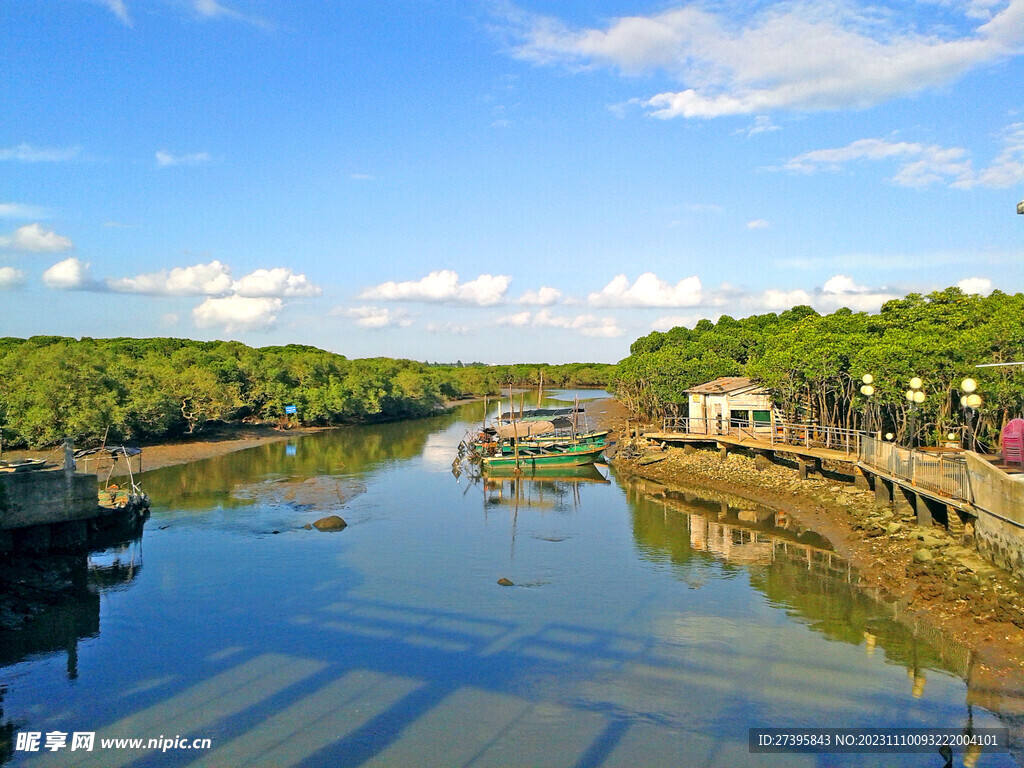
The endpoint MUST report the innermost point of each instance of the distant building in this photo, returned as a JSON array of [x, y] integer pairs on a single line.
[[729, 402]]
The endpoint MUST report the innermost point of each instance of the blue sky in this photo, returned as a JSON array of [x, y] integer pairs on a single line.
[[498, 181]]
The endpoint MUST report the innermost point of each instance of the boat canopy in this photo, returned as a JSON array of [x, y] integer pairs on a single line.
[[533, 414], [525, 429]]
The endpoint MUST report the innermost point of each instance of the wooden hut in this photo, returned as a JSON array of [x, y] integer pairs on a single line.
[[727, 404]]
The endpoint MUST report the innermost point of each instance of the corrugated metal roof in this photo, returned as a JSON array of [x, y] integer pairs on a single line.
[[725, 385]]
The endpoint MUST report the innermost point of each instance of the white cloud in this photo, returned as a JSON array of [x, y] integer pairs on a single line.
[[838, 291], [443, 287], [775, 300], [799, 56], [979, 285], [675, 321], [923, 164], [11, 278], [279, 282], [762, 124], [758, 224], [449, 329], [21, 211], [1008, 167], [118, 8], [362, 177], [25, 153], [840, 284], [920, 164], [34, 239], [237, 313], [211, 9], [585, 325], [841, 291], [70, 275], [213, 279], [518, 320], [169, 319], [648, 291], [378, 317], [541, 297], [165, 159]]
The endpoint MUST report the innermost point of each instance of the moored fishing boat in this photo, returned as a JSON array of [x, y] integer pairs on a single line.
[[574, 455], [596, 437]]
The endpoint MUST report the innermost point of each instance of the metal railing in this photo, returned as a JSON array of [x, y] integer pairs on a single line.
[[945, 474], [773, 433]]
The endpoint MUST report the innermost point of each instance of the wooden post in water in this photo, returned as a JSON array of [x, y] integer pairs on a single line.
[[540, 387], [69, 467], [515, 443], [515, 428]]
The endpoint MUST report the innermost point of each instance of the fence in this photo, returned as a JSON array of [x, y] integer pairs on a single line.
[[945, 474], [773, 433]]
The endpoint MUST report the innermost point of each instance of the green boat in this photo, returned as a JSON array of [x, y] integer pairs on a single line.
[[547, 456], [488, 445]]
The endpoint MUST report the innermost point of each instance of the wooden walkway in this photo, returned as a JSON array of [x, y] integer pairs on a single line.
[[811, 451], [927, 483]]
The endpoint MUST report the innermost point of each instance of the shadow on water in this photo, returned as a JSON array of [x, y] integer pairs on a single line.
[[50, 603], [296, 660], [794, 567], [372, 683]]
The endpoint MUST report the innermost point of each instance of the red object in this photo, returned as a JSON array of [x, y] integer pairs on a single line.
[[1013, 442]]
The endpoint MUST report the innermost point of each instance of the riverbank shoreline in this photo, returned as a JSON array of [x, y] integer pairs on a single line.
[[216, 441], [937, 580]]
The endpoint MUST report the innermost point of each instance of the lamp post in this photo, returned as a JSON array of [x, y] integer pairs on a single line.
[[867, 390], [970, 401], [915, 396]]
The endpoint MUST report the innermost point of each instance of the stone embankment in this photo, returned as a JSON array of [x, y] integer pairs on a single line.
[[932, 573]]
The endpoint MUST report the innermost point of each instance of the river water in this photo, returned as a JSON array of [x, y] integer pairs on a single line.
[[644, 628]]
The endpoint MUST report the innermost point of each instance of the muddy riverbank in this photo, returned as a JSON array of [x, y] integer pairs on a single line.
[[214, 441], [941, 581]]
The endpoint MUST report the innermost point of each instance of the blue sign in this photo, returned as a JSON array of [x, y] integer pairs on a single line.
[[290, 409]]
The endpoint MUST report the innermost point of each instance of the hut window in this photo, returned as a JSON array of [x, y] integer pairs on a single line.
[[740, 417]]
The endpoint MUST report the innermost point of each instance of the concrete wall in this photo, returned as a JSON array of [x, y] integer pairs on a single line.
[[999, 529], [45, 497]]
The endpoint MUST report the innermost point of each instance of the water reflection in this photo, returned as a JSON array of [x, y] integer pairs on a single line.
[[238, 479], [51, 603], [794, 568], [650, 627], [556, 489]]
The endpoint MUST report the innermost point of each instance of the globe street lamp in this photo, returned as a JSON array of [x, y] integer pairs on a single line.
[[915, 396], [970, 401], [867, 390]]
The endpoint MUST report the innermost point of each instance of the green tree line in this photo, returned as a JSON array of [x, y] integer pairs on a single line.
[[144, 389], [813, 364]]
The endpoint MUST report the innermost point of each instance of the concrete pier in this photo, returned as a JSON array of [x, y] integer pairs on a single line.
[[53, 510]]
